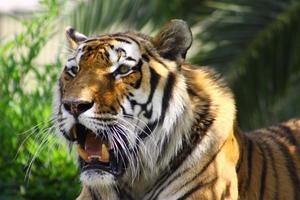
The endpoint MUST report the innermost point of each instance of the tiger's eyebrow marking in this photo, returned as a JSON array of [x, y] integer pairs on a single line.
[[130, 59], [119, 50], [111, 46], [91, 40], [122, 40], [71, 58]]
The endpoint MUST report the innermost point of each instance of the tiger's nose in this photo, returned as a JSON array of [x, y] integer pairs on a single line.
[[77, 107]]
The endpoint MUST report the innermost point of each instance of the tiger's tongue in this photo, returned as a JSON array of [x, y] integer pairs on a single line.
[[96, 148], [92, 145]]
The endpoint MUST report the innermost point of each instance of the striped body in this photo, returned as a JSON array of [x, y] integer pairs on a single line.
[[172, 125], [269, 166]]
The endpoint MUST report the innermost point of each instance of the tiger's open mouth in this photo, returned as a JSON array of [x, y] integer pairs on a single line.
[[95, 152]]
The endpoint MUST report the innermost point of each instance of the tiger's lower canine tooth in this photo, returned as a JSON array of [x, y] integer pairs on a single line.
[[82, 153], [104, 153]]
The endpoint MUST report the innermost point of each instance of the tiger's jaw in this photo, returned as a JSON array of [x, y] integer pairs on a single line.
[[98, 160]]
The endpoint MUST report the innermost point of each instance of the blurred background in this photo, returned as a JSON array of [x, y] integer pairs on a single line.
[[254, 44]]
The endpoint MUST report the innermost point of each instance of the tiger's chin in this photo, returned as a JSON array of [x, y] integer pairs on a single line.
[[97, 178]]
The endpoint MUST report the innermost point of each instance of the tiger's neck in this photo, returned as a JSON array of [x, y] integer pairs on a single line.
[[208, 120]]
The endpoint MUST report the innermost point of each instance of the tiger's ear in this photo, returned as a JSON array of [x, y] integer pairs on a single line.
[[173, 40], [74, 38]]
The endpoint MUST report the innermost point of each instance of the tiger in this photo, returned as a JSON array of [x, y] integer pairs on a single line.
[[148, 125]]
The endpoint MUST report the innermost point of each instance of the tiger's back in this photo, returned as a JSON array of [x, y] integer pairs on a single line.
[[269, 166]]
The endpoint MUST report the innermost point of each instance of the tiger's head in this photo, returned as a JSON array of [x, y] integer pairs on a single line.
[[122, 100]]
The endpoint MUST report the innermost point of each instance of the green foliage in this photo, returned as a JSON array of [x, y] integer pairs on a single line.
[[31, 166], [270, 69], [256, 45], [100, 16]]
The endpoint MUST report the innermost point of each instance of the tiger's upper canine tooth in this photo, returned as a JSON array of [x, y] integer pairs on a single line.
[[104, 154], [73, 132]]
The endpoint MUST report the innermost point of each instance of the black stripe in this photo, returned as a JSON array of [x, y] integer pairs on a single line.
[[60, 86], [155, 58], [124, 194], [182, 174], [292, 171], [191, 91], [241, 159], [154, 79], [202, 170], [145, 57], [264, 168], [147, 130], [91, 40], [199, 173], [71, 59], [93, 195], [88, 48], [170, 82], [283, 132], [160, 181], [188, 147], [194, 189], [138, 67], [204, 119], [130, 58], [67, 136], [111, 46], [289, 163], [106, 55], [123, 109], [133, 39], [122, 40], [249, 163], [272, 164], [123, 36], [121, 49], [61, 119], [153, 83], [290, 136], [125, 113]]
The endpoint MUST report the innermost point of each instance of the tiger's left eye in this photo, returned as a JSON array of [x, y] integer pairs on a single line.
[[123, 69]]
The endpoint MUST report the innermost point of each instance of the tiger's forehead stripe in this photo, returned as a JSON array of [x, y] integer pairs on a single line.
[[114, 51], [108, 46], [158, 67]]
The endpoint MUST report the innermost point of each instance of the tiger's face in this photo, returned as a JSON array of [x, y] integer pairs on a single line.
[[114, 99]]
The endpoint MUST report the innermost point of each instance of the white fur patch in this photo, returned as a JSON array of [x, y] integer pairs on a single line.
[[94, 178]]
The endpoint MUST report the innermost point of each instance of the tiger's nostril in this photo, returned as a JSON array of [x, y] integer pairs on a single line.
[[77, 107], [67, 107], [82, 107]]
